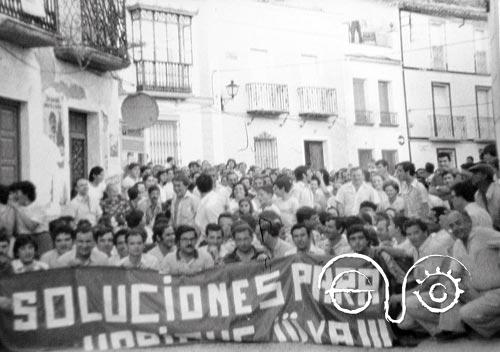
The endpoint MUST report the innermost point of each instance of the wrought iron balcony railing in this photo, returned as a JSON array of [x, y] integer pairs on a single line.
[[446, 127], [317, 102], [267, 98], [388, 118], [364, 117], [486, 128], [163, 76], [94, 34], [26, 28]]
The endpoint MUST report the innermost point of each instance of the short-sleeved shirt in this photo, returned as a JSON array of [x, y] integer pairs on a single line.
[[147, 262], [18, 267], [416, 199], [96, 259], [281, 248], [174, 264], [492, 204], [479, 216], [351, 199], [157, 253], [50, 258]]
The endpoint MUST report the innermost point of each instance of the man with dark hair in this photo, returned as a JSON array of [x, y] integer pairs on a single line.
[[136, 258], [7, 212], [333, 229], [103, 237], [351, 194], [284, 201], [301, 190], [151, 207], [268, 232], [133, 196], [463, 199], [184, 204], [83, 253], [135, 219], [211, 204], [383, 170], [488, 191], [164, 237], [96, 183], [244, 252], [120, 245], [214, 239], [186, 259], [490, 153], [413, 192], [301, 236], [63, 237], [83, 206], [133, 176], [437, 185]]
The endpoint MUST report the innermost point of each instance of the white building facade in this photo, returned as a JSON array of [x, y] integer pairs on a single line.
[[448, 86], [310, 90], [59, 106]]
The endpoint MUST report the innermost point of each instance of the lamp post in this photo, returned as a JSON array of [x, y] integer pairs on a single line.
[[231, 90]]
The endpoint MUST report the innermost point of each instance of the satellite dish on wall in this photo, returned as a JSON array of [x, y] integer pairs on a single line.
[[139, 111]]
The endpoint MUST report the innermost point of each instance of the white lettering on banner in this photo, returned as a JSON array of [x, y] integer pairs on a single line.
[[350, 288], [217, 297], [316, 333], [325, 284], [239, 297], [372, 282], [187, 294], [65, 301], [135, 302], [238, 333], [146, 339], [28, 314], [118, 336], [169, 303], [264, 288], [340, 333], [86, 316], [301, 274], [121, 316]]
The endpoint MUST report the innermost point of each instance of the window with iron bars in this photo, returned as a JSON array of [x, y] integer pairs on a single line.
[[162, 50], [266, 151]]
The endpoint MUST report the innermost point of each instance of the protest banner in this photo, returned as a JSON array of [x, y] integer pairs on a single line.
[[113, 308]]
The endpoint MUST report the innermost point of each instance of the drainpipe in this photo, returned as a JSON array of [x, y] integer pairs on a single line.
[[404, 85]]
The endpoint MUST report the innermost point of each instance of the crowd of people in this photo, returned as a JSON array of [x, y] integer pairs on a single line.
[[182, 220]]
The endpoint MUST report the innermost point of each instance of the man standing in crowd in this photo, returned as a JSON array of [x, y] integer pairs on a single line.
[[164, 237], [462, 199], [413, 192], [83, 253], [488, 191], [352, 194], [133, 176], [301, 236], [83, 207], [437, 186], [268, 232], [284, 201], [210, 206], [186, 259], [151, 206], [96, 183], [184, 204], [383, 171], [136, 258], [301, 190], [244, 252]]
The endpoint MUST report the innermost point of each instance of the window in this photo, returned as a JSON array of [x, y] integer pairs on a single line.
[[362, 116], [365, 158], [387, 117], [484, 108], [438, 43], [391, 156], [164, 142], [441, 102], [266, 151], [162, 50], [480, 51]]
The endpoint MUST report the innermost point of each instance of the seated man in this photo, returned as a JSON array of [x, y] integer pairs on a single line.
[[401, 249], [63, 237], [136, 259], [245, 252], [83, 254], [268, 232], [186, 259], [358, 238], [301, 236]]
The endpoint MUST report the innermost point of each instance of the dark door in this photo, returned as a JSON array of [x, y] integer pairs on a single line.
[[314, 154], [78, 146], [9, 142]]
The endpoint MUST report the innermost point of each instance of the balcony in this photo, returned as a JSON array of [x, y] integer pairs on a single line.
[[317, 102], [361, 32], [94, 34], [481, 62], [388, 119], [438, 61], [448, 128], [267, 99], [364, 118], [29, 27], [485, 129], [165, 77]]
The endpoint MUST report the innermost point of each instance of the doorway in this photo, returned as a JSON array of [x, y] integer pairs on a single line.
[[77, 146], [314, 154], [9, 142]]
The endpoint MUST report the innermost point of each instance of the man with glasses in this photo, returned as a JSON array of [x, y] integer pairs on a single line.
[[186, 259]]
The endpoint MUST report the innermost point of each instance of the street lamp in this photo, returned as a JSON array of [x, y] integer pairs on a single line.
[[231, 90]]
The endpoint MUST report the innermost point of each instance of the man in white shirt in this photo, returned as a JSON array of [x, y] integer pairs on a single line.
[[462, 199], [165, 179], [136, 259], [97, 185], [84, 207], [301, 236], [383, 171], [413, 192], [211, 204], [352, 194], [133, 176], [301, 190], [185, 204]]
